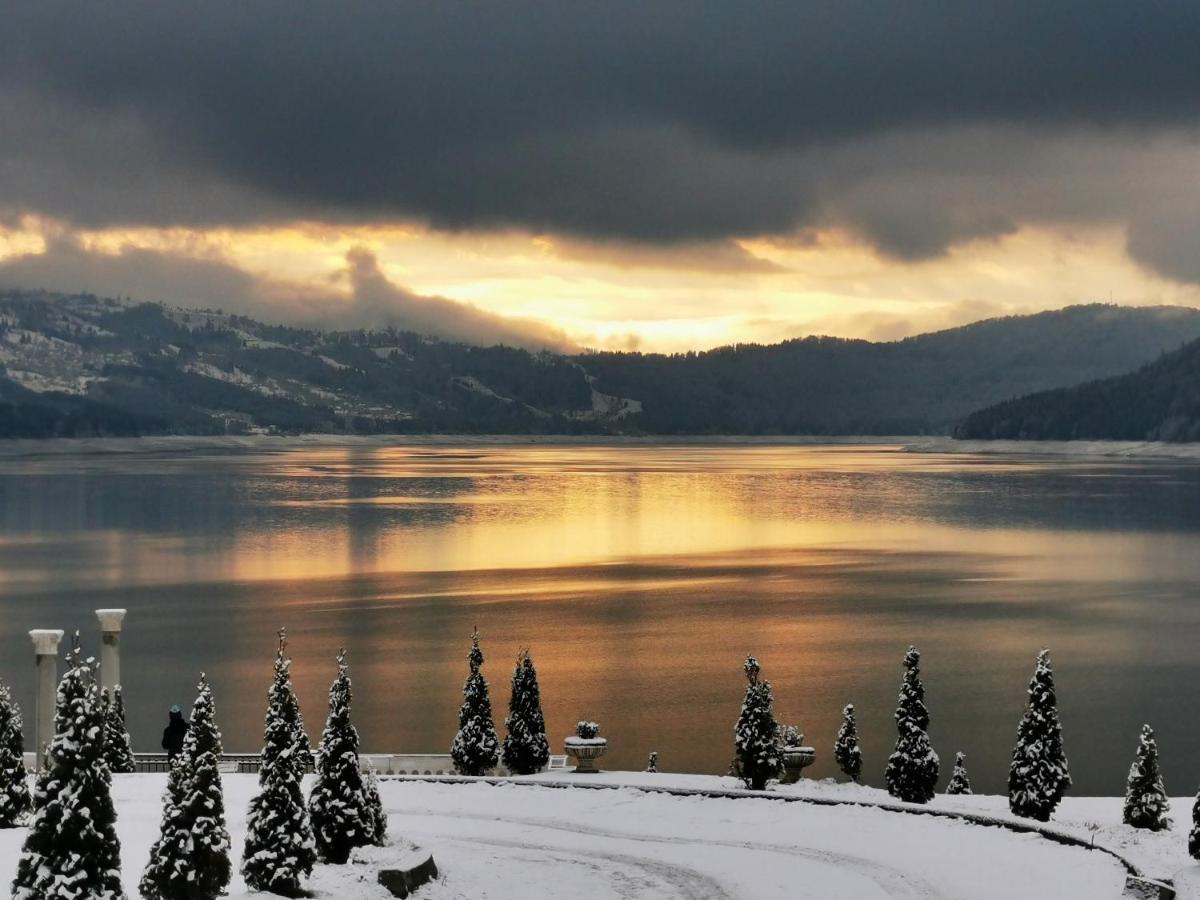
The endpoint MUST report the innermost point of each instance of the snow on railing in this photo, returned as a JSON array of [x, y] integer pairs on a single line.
[[382, 763]]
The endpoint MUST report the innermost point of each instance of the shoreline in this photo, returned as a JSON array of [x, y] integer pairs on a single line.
[[16, 448]]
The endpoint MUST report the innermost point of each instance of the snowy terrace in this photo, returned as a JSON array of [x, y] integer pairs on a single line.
[[530, 838]]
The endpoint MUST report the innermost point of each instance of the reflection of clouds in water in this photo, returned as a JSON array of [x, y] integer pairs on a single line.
[[640, 576]]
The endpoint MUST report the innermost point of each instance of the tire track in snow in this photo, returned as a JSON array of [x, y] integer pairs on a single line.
[[892, 882], [685, 882]]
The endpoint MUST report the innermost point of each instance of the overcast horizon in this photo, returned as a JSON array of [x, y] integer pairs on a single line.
[[659, 176]]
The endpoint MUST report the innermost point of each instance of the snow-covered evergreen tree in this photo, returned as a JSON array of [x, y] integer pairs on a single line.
[[341, 819], [1039, 776], [756, 733], [652, 763], [375, 809], [959, 782], [72, 848], [118, 749], [203, 804], [14, 780], [280, 849], [526, 749], [170, 848], [1194, 836], [912, 769], [845, 749], [476, 747], [1146, 803]]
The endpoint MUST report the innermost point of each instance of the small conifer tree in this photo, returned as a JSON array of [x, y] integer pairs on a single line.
[[959, 782], [1039, 775], [280, 849], [72, 849], [652, 763], [118, 749], [526, 749], [170, 847], [1194, 836], [341, 819], [912, 769], [1146, 804], [845, 749], [203, 804], [14, 779], [756, 733], [476, 749], [190, 860], [375, 808]]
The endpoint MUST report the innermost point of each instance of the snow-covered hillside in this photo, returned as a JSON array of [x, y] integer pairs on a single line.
[[81, 366], [536, 842]]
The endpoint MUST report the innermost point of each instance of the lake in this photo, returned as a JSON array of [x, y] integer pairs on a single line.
[[639, 575]]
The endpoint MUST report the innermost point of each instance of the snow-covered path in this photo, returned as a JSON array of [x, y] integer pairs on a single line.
[[628, 844], [502, 841]]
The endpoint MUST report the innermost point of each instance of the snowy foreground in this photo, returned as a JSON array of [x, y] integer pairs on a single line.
[[521, 840]]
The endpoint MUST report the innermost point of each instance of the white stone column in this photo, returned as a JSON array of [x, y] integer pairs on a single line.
[[110, 647], [45, 645]]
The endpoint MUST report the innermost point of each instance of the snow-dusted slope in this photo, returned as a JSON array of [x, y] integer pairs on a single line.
[[81, 366], [538, 842]]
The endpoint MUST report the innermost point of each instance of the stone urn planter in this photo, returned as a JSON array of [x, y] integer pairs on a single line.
[[796, 756], [585, 746]]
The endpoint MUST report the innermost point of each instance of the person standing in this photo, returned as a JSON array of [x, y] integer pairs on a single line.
[[174, 733]]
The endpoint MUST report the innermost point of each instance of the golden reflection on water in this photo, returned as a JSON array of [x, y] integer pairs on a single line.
[[639, 575]]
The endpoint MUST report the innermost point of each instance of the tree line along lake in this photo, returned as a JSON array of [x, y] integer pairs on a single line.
[[639, 574]]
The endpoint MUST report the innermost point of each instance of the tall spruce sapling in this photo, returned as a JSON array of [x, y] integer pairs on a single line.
[[476, 749], [846, 750], [14, 779], [1039, 774], [912, 769], [203, 806], [756, 733], [190, 859], [118, 748], [166, 866], [1194, 836], [526, 749], [959, 782], [1146, 804], [375, 808], [337, 806], [72, 849], [280, 849]]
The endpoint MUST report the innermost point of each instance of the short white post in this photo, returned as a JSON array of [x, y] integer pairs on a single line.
[[45, 645], [110, 647]]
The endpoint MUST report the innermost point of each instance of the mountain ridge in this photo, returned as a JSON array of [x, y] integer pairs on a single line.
[[81, 365]]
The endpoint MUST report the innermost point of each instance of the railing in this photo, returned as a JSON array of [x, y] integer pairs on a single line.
[[382, 763], [243, 763]]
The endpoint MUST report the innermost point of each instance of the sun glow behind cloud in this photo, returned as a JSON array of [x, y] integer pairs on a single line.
[[620, 296]]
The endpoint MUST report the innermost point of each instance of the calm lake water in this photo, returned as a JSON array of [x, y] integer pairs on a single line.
[[640, 576]]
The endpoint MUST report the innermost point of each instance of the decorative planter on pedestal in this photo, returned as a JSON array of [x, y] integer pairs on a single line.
[[585, 746], [795, 759]]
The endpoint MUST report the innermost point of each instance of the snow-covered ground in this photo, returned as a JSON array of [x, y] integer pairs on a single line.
[[534, 841]]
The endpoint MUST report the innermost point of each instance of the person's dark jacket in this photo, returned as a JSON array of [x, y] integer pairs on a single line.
[[174, 734]]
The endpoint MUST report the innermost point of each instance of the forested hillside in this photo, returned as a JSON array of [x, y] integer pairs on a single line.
[[82, 365], [922, 385], [1159, 402]]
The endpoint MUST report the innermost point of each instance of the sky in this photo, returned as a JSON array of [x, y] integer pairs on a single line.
[[651, 175]]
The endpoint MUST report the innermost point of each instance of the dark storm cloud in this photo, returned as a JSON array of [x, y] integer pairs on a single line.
[[642, 121]]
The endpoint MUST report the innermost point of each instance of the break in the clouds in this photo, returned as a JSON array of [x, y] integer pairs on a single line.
[[658, 122], [363, 297]]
